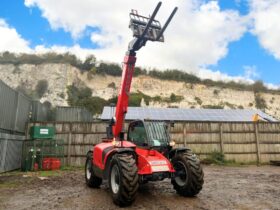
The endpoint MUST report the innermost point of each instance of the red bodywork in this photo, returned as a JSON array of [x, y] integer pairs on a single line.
[[103, 150], [121, 109], [152, 161], [148, 162]]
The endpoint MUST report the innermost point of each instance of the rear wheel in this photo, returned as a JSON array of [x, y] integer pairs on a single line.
[[123, 179], [91, 180], [188, 179]]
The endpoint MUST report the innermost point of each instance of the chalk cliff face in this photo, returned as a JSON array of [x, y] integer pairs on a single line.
[[59, 76]]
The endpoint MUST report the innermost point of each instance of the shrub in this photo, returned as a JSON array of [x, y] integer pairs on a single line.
[[198, 100], [212, 106], [216, 92], [139, 71], [112, 85], [157, 99], [135, 99], [272, 100], [61, 95], [93, 104], [89, 75], [75, 94], [174, 75], [88, 64], [232, 106], [109, 69], [175, 98], [41, 87], [82, 97], [217, 158], [260, 102], [258, 86]]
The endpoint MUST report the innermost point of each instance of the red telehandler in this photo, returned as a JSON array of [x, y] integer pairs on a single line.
[[147, 154]]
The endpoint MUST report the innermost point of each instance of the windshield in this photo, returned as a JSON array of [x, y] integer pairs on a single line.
[[157, 133]]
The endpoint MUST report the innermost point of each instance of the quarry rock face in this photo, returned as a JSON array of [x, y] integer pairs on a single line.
[[59, 76]]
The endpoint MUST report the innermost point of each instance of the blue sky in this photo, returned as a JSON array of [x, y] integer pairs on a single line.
[[245, 55]]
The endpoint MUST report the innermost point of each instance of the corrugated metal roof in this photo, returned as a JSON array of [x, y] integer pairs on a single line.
[[178, 114]]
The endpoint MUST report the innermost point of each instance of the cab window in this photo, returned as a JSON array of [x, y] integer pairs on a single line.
[[137, 134]]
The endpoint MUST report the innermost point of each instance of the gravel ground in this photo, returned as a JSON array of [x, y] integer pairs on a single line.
[[247, 187]]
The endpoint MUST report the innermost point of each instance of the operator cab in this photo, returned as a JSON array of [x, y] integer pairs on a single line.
[[148, 134]]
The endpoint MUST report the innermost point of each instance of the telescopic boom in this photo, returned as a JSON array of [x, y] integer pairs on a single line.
[[143, 29]]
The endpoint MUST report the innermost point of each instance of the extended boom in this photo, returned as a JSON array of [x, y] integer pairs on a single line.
[[144, 29]]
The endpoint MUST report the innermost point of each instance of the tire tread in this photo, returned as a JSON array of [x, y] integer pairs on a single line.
[[195, 175]]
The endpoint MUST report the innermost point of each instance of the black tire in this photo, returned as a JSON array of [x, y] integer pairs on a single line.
[[91, 180], [189, 175], [123, 179]]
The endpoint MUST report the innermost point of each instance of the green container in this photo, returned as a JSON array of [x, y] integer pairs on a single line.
[[42, 132]]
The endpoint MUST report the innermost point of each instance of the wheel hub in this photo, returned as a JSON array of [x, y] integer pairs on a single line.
[[181, 175], [88, 170], [115, 179]]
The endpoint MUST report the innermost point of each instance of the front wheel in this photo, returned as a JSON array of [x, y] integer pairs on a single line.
[[123, 179], [91, 179], [188, 179]]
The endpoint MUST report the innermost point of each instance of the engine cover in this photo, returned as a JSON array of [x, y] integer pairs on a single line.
[[151, 161]]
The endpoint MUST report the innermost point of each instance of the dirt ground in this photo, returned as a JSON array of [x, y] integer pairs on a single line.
[[247, 187]]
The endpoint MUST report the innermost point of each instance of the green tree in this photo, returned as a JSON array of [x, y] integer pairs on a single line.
[[89, 63], [258, 86], [76, 95], [109, 69]]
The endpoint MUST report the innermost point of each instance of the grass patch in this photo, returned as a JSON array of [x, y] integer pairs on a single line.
[[72, 168], [48, 173]]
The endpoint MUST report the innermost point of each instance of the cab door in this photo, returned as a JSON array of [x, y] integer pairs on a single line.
[[137, 134]]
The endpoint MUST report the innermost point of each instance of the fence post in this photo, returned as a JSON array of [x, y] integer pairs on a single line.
[[69, 145], [184, 135], [257, 144], [221, 138]]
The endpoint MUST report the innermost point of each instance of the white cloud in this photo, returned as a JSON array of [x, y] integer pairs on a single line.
[[198, 36], [10, 40], [219, 76], [82, 53], [249, 75], [272, 86], [250, 72], [266, 24]]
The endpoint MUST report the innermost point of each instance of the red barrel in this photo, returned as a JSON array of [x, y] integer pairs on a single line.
[[46, 164], [51, 164], [55, 164]]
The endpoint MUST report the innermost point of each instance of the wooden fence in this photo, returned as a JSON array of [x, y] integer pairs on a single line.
[[242, 142]]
